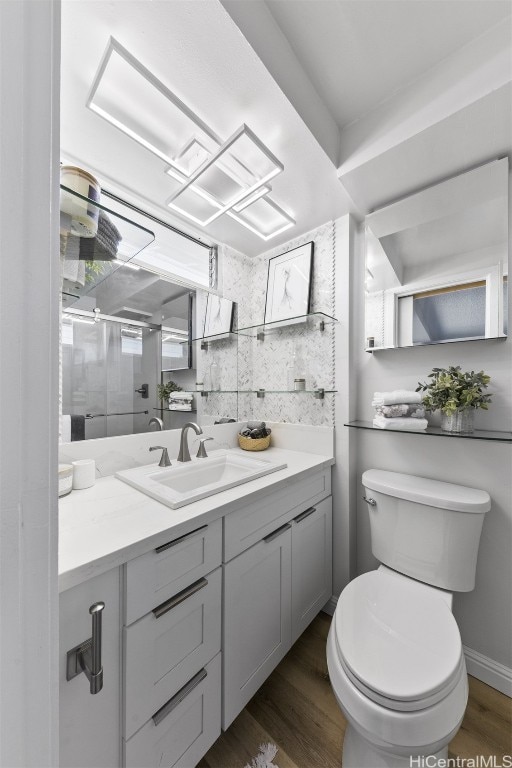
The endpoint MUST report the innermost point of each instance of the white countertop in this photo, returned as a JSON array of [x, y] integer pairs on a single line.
[[105, 526]]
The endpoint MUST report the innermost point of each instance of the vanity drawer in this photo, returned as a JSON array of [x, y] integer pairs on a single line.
[[153, 578], [168, 646], [253, 522], [184, 729]]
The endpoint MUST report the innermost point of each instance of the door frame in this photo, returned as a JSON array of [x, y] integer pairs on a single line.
[[29, 380]]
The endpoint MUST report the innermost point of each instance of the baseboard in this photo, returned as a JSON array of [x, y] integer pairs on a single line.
[[330, 606], [488, 671]]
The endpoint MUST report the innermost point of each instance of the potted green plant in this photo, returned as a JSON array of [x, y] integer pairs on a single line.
[[165, 390], [457, 394]]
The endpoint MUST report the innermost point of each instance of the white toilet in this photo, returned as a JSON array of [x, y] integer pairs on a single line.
[[394, 651]]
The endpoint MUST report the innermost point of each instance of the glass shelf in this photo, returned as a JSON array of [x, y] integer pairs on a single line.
[[208, 339], [88, 261], [317, 393], [478, 434], [314, 321]]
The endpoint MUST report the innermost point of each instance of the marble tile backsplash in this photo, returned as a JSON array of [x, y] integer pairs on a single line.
[[248, 363]]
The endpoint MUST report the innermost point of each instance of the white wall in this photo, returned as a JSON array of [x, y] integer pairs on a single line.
[[29, 247], [484, 615]]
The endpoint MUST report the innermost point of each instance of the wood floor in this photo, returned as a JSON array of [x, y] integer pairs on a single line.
[[296, 710]]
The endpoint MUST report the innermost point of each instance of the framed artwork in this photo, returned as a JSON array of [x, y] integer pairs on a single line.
[[218, 319], [289, 284]]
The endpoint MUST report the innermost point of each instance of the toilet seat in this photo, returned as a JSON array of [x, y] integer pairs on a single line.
[[397, 641]]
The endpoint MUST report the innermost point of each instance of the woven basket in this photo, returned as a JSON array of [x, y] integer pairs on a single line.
[[253, 444]]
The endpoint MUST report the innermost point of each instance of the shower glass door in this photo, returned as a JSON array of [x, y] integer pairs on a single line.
[[109, 375]]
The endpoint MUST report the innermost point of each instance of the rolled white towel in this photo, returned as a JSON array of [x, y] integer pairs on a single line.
[[397, 396], [406, 424]]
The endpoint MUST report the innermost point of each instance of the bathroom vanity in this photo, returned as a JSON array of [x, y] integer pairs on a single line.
[[201, 603]]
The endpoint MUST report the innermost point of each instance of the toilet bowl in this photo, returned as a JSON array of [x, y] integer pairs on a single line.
[[397, 669], [394, 650]]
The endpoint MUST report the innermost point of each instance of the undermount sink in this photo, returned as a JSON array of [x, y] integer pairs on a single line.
[[182, 484]]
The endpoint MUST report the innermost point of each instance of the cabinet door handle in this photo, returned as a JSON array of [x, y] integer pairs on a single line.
[[179, 697], [276, 533], [179, 598], [174, 542], [304, 514]]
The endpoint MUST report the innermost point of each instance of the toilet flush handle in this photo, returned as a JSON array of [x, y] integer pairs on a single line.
[[371, 502]]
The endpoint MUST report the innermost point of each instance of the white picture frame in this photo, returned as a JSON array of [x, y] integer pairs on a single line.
[[218, 319], [289, 284]]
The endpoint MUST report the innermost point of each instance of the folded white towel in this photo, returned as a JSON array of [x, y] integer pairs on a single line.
[[397, 396], [407, 424], [181, 396]]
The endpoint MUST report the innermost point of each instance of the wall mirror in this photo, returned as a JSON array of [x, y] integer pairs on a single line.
[[437, 263], [129, 324]]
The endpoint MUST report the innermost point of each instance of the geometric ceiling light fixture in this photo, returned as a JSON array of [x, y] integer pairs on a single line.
[[264, 218], [237, 171], [127, 95], [215, 178]]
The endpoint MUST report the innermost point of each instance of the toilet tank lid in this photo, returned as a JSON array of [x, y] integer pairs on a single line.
[[423, 490]]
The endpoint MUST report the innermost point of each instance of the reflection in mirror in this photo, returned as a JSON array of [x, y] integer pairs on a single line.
[[177, 333], [112, 347], [134, 333], [127, 331], [437, 263]]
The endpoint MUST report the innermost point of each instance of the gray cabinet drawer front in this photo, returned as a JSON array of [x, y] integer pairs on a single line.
[[253, 522], [153, 578], [186, 733], [162, 654]]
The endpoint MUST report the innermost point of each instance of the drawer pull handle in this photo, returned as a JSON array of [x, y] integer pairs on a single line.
[[174, 542], [179, 598], [179, 697], [276, 533], [304, 514]]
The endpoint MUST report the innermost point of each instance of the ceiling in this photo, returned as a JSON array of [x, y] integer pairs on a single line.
[[303, 75], [198, 52], [359, 54]]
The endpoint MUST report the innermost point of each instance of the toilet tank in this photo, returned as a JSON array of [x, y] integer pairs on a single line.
[[425, 528]]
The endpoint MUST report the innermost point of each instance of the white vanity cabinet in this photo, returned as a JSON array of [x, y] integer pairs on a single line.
[[172, 643], [274, 588], [90, 725], [193, 627]]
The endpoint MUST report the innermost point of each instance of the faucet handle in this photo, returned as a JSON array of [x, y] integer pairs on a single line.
[[201, 451], [164, 459]]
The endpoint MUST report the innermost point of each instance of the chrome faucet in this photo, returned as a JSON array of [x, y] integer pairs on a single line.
[[159, 423], [164, 459], [184, 454]]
